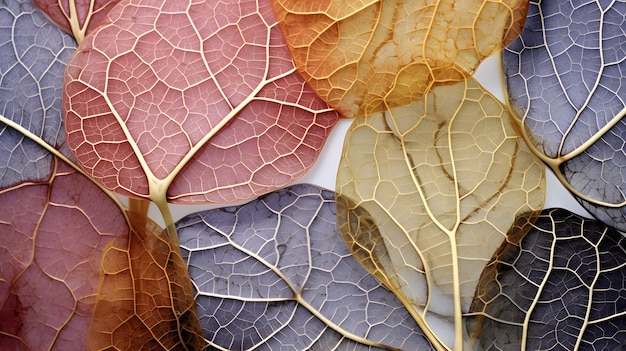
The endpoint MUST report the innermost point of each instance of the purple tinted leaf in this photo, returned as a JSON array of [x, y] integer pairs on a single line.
[[21, 159], [561, 286], [565, 80], [275, 274], [33, 54]]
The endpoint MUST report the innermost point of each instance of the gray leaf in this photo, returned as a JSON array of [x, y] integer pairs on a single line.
[[562, 286], [565, 78], [34, 53], [275, 274]]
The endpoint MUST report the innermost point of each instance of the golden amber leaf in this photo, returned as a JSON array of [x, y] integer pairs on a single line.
[[145, 299], [428, 191], [359, 55]]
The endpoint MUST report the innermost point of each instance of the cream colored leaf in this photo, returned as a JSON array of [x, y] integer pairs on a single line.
[[359, 54], [427, 192]]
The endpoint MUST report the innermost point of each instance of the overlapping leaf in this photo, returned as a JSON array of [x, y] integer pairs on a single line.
[[145, 299], [52, 235], [560, 286], [365, 56], [427, 192], [33, 53], [196, 99], [78, 17], [274, 274], [565, 79]]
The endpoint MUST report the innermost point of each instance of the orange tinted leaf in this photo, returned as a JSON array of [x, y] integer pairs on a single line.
[[359, 55], [145, 300], [52, 235], [199, 102]]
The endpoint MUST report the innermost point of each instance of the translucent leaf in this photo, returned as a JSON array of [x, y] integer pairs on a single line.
[[52, 235], [33, 53], [427, 192], [145, 299], [212, 110], [273, 274], [359, 55], [559, 286], [565, 80], [78, 17]]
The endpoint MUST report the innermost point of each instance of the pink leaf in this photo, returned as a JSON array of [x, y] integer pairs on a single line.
[[78, 17], [199, 102], [53, 236]]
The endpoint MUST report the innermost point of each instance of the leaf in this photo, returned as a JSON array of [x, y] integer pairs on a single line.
[[145, 299], [78, 17], [367, 56], [52, 235], [559, 286], [33, 54], [565, 81], [274, 274], [426, 193], [210, 112]]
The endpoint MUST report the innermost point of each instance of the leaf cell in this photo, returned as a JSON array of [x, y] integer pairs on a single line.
[[368, 56], [34, 53], [78, 17], [52, 236], [212, 111]]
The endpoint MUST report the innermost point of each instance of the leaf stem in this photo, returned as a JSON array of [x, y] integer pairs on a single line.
[[138, 209], [170, 226]]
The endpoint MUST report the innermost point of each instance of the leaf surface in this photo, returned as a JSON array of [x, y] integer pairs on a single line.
[[78, 17], [145, 298], [55, 231], [565, 80], [52, 235], [559, 286], [34, 53], [427, 192], [212, 111], [274, 274], [369, 55]]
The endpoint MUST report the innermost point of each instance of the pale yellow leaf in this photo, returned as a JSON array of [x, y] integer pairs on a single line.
[[427, 192]]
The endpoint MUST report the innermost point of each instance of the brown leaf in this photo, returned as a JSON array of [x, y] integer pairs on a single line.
[[360, 55], [145, 299]]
